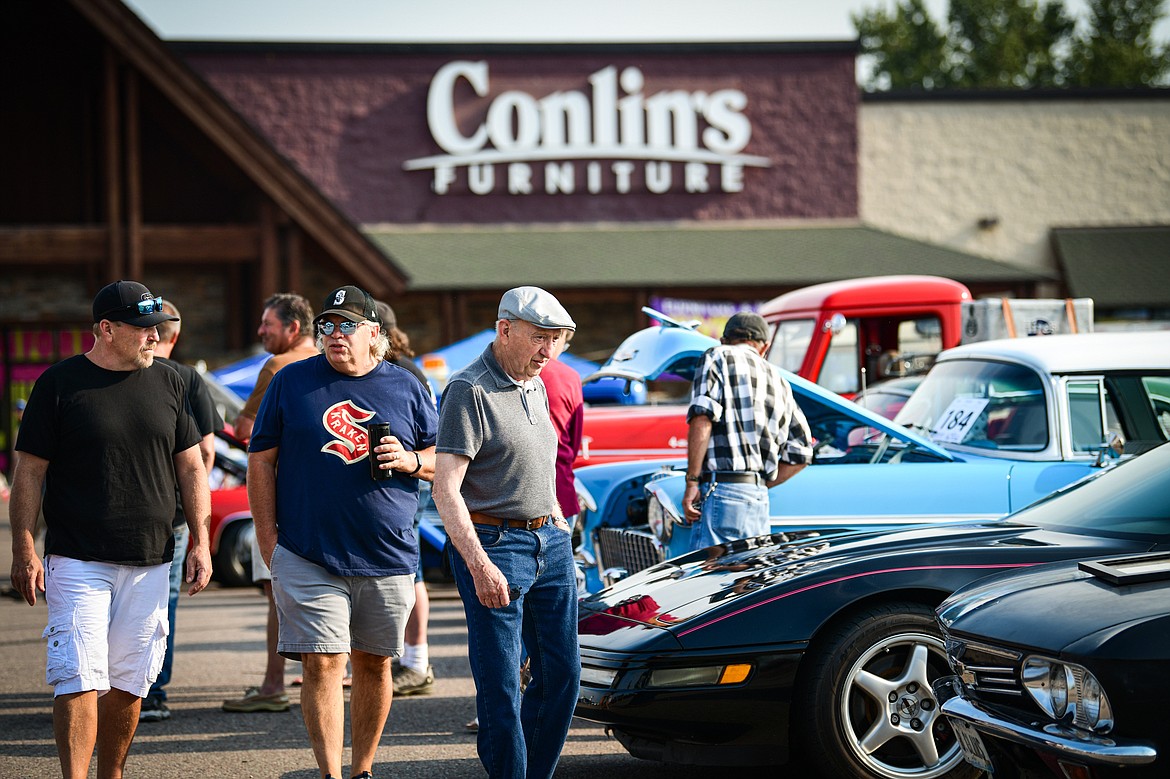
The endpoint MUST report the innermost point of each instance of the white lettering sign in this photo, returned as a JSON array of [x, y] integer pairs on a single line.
[[679, 141]]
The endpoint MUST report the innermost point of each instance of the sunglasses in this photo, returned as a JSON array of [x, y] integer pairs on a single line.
[[143, 307], [151, 306], [346, 328]]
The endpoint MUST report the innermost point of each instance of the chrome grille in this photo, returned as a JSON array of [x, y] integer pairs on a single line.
[[984, 668], [628, 549]]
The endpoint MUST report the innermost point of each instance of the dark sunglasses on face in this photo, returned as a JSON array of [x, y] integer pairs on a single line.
[[346, 328]]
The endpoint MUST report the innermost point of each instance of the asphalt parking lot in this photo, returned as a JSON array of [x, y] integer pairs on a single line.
[[219, 652]]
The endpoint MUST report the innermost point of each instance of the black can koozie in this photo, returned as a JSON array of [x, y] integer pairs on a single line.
[[377, 432]]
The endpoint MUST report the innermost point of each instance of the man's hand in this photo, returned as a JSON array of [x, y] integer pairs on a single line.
[[198, 568], [28, 479], [691, 503], [490, 586], [28, 576]]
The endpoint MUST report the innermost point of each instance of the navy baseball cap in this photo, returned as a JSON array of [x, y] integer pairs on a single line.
[[353, 303]]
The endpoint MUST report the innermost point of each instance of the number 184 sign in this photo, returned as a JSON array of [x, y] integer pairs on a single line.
[[958, 420]]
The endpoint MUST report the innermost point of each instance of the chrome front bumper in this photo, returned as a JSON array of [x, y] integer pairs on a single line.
[[1073, 744]]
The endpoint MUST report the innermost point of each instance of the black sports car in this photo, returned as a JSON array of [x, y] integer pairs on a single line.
[[1063, 670], [827, 646]]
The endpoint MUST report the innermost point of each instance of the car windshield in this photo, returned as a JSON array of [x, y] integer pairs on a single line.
[[790, 343], [980, 403], [1130, 499]]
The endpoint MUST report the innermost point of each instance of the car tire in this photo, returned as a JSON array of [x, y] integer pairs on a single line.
[[864, 707], [232, 566]]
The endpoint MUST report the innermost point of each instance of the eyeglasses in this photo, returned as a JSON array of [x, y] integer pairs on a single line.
[[346, 328]]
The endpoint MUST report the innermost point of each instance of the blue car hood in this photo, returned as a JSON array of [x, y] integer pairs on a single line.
[[674, 349]]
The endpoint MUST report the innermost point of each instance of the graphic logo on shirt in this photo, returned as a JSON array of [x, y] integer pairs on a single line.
[[344, 422]]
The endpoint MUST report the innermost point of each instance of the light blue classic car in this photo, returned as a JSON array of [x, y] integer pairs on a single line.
[[993, 427]]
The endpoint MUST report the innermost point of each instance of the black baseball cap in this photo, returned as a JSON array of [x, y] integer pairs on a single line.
[[353, 303], [129, 302], [746, 326]]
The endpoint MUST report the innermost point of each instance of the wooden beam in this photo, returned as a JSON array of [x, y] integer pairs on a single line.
[[44, 246], [200, 243], [116, 265], [269, 250], [294, 257], [160, 244], [134, 263]]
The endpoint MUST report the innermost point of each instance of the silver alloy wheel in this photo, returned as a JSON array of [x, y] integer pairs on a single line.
[[886, 704]]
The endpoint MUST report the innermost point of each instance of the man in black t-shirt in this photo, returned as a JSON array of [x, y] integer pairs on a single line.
[[201, 407], [106, 439]]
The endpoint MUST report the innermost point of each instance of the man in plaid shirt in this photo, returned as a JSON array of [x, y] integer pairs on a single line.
[[745, 434]]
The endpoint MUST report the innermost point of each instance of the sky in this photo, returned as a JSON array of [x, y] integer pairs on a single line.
[[491, 21]]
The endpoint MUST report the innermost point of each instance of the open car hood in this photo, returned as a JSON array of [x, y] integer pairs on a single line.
[[674, 349]]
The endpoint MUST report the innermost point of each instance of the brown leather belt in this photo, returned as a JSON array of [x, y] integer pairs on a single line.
[[527, 524]]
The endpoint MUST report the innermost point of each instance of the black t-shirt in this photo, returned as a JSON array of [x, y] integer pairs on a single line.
[[201, 406], [110, 438]]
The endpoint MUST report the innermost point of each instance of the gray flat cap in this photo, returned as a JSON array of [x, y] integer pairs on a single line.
[[533, 304]]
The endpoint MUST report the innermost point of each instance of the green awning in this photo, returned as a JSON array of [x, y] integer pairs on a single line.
[[1119, 267], [458, 257]]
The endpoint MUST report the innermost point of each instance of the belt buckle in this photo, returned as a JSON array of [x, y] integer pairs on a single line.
[[528, 523]]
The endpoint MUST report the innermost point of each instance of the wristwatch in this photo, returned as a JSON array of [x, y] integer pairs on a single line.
[[695, 479]]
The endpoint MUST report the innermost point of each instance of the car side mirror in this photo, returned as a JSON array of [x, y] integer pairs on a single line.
[[1110, 450]]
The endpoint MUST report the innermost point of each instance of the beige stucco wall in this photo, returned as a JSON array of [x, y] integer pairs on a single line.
[[932, 170]]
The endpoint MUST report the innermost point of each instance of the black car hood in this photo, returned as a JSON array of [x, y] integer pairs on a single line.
[[1064, 611], [690, 586]]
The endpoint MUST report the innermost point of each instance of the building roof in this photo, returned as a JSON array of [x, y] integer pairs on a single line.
[[1119, 267], [695, 255], [208, 111]]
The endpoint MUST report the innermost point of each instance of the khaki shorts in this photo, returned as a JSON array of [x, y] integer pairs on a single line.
[[107, 625], [325, 614]]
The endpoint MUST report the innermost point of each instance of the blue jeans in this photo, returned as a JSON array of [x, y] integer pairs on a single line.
[[177, 568], [521, 736], [731, 511]]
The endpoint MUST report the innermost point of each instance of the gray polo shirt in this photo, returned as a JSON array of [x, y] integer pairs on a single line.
[[506, 430]]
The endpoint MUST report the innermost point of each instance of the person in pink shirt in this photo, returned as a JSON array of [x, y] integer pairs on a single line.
[[567, 408]]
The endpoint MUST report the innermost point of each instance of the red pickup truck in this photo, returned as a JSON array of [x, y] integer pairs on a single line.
[[844, 335]]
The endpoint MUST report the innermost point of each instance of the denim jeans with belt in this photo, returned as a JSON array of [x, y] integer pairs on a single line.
[[731, 511], [520, 737]]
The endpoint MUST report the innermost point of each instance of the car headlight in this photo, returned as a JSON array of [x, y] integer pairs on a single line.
[[1067, 691], [661, 514], [700, 676]]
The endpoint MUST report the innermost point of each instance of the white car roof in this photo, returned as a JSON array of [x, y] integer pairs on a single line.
[[1083, 353]]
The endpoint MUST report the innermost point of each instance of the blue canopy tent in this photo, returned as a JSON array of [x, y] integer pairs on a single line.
[[240, 376], [440, 364]]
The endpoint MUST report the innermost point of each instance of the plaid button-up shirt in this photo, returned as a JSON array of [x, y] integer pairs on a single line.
[[756, 423]]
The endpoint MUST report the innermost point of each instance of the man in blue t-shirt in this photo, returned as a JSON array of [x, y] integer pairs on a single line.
[[340, 543]]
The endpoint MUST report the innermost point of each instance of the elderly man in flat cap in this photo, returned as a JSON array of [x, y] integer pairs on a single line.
[[495, 489]]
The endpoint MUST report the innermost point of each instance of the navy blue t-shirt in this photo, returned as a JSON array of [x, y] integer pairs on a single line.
[[328, 509]]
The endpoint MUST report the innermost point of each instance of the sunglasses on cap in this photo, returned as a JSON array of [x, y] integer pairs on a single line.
[[143, 307], [346, 328]]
